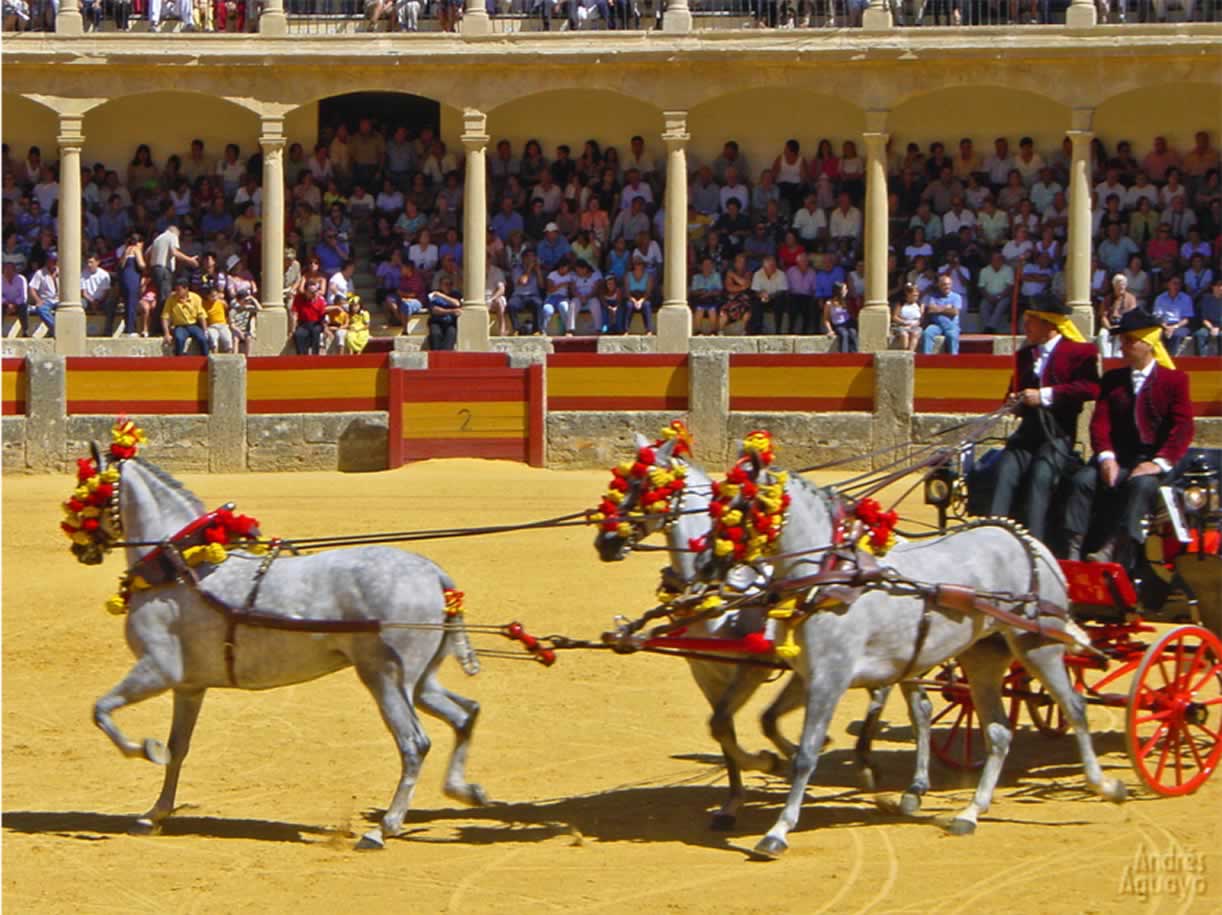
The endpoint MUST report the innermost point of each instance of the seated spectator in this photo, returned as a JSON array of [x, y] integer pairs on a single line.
[[942, 308], [587, 289], [769, 292], [306, 317], [424, 255], [706, 298], [844, 224], [1174, 312], [638, 296], [996, 285], [409, 298], [44, 291], [184, 318], [630, 222], [649, 252], [216, 320], [559, 300], [339, 285], [1209, 320], [1119, 302], [526, 299], [758, 245], [1197, 278], [1179, 218], [16, 295], [95, 291], [445, 305], [839, 321], [704, 194], [738, 295], [1162, 254], [906, 319]]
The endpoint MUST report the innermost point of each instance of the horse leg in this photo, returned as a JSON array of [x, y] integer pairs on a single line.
[[790, 698], [985, 667], [404, 725], [824, 690], [1046, 662], [867, 773], [920, 713], [187, 704], [743, 684], [460, 713], [143, 681], [710, 677]]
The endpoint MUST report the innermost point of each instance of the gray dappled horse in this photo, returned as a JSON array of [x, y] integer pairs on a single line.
[[727, 686], [179, 639], [877, 638]]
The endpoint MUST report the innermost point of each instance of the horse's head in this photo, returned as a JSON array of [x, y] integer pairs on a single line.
[[645, 495]]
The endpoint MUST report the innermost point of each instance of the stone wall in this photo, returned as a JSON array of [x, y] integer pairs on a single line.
[[595, 439], [312, 441]]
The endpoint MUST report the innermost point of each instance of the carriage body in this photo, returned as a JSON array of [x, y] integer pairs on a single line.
[[1167, 681]]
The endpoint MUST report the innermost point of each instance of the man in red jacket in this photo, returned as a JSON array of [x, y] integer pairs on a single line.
[[1141, 429], [1055, 375]]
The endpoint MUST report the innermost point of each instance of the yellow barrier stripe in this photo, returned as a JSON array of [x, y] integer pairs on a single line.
[[457, 419], [980, 384], [797, 381], [10, 390], [304, 384], [136, 386], [594, 381]]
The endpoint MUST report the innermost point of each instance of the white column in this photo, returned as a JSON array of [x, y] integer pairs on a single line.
[[874, 322], [675, 318], [473, 322], [1080, 15], [70, 316], [273, 324], [1077, 263], [272, 21], [876, 17], [475, 19], [68, 21], [678, 17]]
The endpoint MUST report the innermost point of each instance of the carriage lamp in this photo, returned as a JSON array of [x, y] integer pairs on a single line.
[[1200, 490], [1196, 499], [939, 487]]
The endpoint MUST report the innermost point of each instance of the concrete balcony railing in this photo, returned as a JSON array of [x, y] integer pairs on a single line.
[[348, 17]]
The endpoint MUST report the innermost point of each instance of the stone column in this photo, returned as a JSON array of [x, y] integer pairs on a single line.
[[1080, 15], [68, 21], [46, 412], [675, 318], [226, 412], [273, 323], [876, 17], [708, 393], [1077, 287], [874, 322], [475, 21], [678, 17], [272, 21], [70, 316], [473, 322]]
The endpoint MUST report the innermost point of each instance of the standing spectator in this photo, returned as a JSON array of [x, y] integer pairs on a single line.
[[306, 317], [791, 173], [184, 318], [498, 302], [163, 259], [942, 309], [445, 306], [1159, 160]]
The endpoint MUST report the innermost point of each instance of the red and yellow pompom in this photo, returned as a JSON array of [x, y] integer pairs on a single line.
[[746, 530], [454, 602], [879, 527], [660, 483]]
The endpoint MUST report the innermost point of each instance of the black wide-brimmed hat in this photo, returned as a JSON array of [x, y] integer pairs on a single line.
[[1137, 320], [1049, 305]]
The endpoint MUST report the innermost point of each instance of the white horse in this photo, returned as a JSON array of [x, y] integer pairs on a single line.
[[727, 686], [179, 638], [878, 638]]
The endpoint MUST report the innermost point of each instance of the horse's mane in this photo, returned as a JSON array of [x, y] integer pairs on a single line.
[[164, 476]]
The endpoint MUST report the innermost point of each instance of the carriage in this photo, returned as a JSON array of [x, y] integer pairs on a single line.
[[1168, 681]]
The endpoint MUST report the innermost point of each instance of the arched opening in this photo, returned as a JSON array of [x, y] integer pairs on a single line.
[[1175, 111], [762, 120], [27, 123]]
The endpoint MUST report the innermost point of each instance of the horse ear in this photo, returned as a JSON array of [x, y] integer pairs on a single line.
[[96, 451], [640, 441], [665, 451]]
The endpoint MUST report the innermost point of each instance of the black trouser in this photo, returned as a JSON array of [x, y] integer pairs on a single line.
[[805, 317], [1119, 509], [307, 338], [777, 303], [1035, 469], [443, 334]]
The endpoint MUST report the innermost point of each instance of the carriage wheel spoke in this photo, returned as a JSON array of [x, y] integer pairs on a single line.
[[1145, 748], [1216, 670], [1178, 756], [1192, 745], [1215, 736], [1216, 700], [1157, 716], [1162, 759]]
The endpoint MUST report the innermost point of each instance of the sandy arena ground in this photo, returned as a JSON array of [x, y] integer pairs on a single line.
[[603, 766]]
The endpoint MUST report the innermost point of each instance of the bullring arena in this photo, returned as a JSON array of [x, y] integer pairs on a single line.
[[492, 430]]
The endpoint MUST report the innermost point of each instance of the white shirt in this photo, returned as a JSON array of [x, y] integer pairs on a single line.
[[338, 288], [585, 287], [160, 253], [809, 224], [844, 225], [1043, 352], [737, 192], [630, 194], [95, 285]]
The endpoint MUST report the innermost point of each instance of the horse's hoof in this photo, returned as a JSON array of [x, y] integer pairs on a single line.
[[867, 780], [155, 752], [769, 849], [1115, 792], [723, 822], [910, 804], [371, 841], [472, 795], [144, 827], [961, 827]]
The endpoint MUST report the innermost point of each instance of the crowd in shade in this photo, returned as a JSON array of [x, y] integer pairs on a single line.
[[575, 241]]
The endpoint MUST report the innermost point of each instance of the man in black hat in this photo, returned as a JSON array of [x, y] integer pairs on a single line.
[[1141, 428], [1055, 375]]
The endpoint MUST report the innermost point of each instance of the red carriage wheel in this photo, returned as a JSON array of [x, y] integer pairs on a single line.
[[1044, 711], [958, 743], [1173, 725]]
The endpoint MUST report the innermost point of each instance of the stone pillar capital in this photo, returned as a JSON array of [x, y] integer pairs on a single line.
[[474, 128], [876, 120], [1082, 120], [71, 131], [271, 132], [876, 143], [674, 133]]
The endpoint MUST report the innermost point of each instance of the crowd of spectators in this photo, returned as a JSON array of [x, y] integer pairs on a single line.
[[775, 247]]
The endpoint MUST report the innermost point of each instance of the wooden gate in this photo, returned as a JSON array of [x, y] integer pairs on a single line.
[[467, 405]]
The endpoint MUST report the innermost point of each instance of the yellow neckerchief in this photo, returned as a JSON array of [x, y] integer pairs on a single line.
[[1153, 336], [1063, 323]]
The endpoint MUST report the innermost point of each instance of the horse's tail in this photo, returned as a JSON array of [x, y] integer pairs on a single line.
[[456, 640]]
